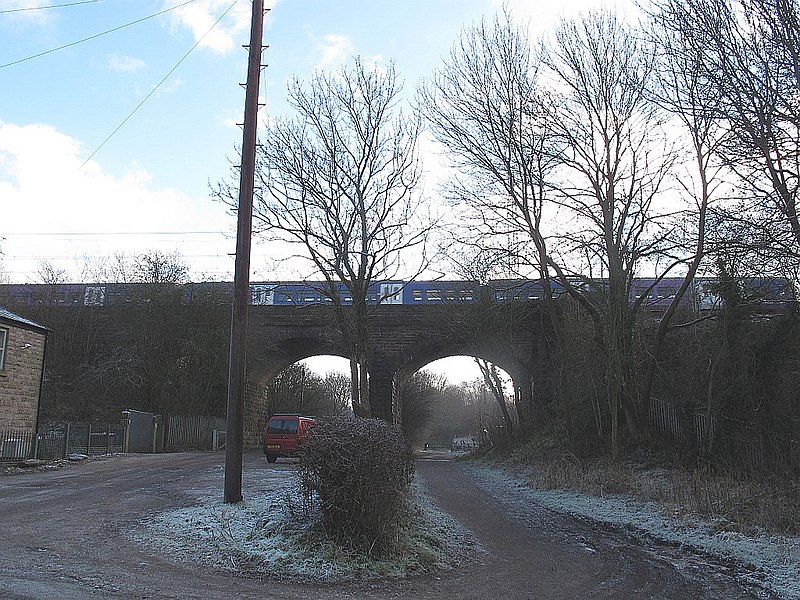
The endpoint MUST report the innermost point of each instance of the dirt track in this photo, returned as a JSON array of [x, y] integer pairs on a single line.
[[64, 536]]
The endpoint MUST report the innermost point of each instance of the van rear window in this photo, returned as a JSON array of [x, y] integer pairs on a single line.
[[282, 426]]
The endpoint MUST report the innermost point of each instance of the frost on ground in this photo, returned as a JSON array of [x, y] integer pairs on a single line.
[[769, 561], [269, 534]]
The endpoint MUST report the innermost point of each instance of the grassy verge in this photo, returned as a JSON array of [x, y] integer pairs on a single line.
[[270, 535]]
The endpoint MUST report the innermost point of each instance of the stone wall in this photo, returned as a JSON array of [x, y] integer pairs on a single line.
[[21, 378]]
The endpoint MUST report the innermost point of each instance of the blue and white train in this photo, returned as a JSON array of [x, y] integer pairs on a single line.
[[770, 294]]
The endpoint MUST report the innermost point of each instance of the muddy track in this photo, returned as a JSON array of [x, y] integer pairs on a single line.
[[65, 536]]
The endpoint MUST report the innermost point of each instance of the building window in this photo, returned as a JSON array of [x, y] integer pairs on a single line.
[[3, 341]]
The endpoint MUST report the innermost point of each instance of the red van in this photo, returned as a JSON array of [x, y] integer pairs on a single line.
[[283, 433]]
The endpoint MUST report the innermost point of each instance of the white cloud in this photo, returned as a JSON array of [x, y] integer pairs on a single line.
[[127, 64], [334, 49], [376, 63], [45, 188], [35, 16], [542, 17], [201, 16]]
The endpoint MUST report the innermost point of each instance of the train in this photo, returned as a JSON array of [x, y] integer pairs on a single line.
[[768, 294]]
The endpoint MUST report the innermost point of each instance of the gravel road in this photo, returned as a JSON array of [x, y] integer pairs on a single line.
[[65, 535]]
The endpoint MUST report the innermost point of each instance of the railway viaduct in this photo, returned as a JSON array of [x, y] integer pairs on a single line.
[[401, 340]]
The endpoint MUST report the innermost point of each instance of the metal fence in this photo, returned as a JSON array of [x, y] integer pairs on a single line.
[[60, 440]]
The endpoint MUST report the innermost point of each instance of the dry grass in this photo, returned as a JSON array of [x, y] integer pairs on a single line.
[[732, 503]]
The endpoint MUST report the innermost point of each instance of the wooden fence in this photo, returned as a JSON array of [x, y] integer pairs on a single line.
[[664, 417], [748, 449], [194, 432]]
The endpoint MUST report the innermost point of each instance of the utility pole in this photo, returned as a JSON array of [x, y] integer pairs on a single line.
[[241, 280]]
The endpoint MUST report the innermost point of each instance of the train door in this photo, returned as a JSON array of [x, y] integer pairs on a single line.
[[262, 294], [391, 293]]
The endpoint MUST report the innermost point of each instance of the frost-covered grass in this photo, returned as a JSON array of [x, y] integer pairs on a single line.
[[734, 503], [766, 559], [269, 534]]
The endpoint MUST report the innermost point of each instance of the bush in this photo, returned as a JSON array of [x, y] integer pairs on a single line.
[[361, 471]]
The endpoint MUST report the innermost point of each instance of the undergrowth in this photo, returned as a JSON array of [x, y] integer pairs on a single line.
[[732, 502]]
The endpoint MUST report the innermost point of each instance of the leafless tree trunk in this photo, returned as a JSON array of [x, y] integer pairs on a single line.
[[683, 92], [492, 380]]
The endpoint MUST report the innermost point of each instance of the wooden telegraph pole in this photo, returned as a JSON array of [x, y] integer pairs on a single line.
[[241, 281]]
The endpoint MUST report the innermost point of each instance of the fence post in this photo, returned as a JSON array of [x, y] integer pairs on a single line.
[[88, 439], [35, 453], [108, 439], [66, 441], [126, 435]]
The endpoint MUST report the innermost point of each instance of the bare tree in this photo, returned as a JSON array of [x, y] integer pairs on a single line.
[[50, 274], [748, 58], [564, 155], [420, 401], [340, 180], [614, 162], [4, 277], [153, 266], [684, 92], [336, 389], [486, 107]]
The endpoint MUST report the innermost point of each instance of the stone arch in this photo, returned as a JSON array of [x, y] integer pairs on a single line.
[[264, 363], [518, 369], [289, 351], [402, 339]]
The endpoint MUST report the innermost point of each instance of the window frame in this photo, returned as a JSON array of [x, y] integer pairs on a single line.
[[3, 347]]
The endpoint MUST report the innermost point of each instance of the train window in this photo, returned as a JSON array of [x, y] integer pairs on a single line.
[[466, 295], [417, 295], [434, 296], [450, 295], [667, 291]]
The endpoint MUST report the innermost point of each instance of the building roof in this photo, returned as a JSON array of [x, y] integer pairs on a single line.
[[7, 315]]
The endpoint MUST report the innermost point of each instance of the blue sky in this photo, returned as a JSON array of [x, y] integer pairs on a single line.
[[147, 187]]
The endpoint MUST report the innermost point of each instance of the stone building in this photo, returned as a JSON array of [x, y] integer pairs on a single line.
[[22, 346]]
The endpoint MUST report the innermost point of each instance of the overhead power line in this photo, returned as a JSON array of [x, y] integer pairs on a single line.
[[105, 233], [159, 84], [31, 8], [97, 35]]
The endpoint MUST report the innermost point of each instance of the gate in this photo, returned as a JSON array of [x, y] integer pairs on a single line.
[[144, 431]]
